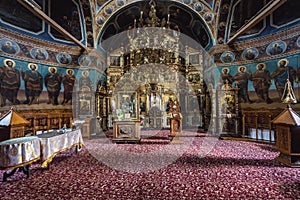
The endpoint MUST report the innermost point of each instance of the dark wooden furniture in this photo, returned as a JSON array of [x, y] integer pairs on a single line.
[[12, 125], [257, 123], [288, 137], [47, 119], [260, 121], [126, 131]]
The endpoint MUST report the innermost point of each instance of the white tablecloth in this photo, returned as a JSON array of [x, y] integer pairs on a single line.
[[54, 143], [18, 152]]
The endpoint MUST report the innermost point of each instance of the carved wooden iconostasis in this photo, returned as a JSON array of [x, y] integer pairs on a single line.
[[161, 70], [157, 85], [172, 79]]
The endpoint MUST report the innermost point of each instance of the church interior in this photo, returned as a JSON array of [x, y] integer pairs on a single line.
[[149, 99]]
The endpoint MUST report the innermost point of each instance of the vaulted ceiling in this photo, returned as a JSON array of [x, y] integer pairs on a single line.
[[188, 21]]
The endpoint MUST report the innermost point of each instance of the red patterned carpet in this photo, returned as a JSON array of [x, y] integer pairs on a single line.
[[229, 170]]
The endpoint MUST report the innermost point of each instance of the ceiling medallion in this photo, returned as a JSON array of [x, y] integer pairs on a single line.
[[198, 7], [187, 2], [120, 3]]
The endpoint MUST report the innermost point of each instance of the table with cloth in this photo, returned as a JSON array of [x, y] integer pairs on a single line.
[[56, 142], [19, 153]]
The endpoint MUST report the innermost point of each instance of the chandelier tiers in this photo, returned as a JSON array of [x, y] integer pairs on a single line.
[[151, 40], [156, 40]]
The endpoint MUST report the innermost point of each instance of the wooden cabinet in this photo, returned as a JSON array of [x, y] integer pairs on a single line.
[[8, 132], [43, 120], [12, 125], [288, 144], [288, 137]]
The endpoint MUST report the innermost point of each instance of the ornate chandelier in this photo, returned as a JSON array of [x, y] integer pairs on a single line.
[[153, 40]]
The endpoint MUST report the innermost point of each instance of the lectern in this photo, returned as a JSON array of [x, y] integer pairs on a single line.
[[176, 124]]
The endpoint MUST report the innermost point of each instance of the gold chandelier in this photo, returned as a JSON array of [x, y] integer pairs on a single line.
[[153, 40]]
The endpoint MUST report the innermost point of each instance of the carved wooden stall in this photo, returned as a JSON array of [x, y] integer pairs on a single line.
[[257, 124], [41, 121], [12, 125], [287, 125], [45, 120]]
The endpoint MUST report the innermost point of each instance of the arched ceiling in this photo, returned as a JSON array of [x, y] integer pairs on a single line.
[[193, 19]]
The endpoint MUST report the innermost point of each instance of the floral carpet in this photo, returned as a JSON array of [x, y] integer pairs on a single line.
[[102, 170]]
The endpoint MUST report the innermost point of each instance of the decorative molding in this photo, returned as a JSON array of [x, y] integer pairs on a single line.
[[258, 42], [27, 40], [289, 36], [53, 49]]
